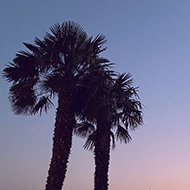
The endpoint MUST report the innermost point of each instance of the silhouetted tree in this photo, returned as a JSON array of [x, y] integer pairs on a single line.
[[112, 109], [54, 66]]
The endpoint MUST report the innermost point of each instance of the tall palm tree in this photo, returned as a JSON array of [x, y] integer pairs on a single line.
[[116, 108], [53, 67]]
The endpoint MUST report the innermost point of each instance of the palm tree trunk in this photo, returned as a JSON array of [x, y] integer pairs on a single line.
[[102, 157], [62, 141]]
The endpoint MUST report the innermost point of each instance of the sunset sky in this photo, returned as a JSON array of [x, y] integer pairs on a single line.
[[148, 38]]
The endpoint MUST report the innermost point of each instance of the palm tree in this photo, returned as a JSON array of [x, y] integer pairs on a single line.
[[53, 67], [116, 108]]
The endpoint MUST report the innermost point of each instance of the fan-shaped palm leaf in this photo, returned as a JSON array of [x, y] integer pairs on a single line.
[[43, 104], [84, 129]]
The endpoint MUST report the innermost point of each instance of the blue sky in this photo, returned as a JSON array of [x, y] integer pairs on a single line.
[[148, 38]]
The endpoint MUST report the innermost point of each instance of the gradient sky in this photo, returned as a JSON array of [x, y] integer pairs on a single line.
[[148, 38]]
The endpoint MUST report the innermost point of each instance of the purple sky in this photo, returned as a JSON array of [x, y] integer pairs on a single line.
[[148, 38]]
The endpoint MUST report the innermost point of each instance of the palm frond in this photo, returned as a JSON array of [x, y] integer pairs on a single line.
[[68, 33], [94, 46], [123, 135], [90, 142], [11, 73], [56, 30], [113, 139], [40, 43], [31, 47], [84, 129], [100, 39], [132, 113], [22, 98], [44, 103], [124, 81], [22, 69]]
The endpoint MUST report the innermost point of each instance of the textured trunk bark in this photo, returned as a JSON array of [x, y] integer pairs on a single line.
[[102, 156], [62, 141]]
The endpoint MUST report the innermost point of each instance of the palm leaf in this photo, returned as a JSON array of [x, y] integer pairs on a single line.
[[31, 47], [22, 69], [90, 142], [22, 98], [84, 129], [113, 139], [123, 135], [44, 103]]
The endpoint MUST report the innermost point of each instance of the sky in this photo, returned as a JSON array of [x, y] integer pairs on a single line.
[[149, 39]]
